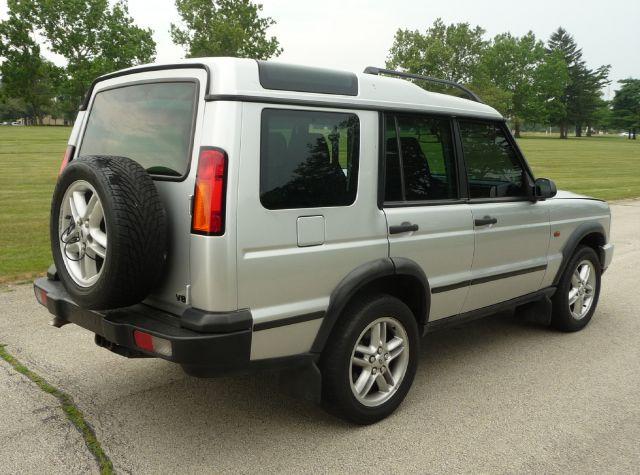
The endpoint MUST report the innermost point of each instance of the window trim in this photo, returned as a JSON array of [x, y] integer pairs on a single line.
[[194, 116], [403, 185], [382, 168], [315, 110], [460, 185], [502, 125]]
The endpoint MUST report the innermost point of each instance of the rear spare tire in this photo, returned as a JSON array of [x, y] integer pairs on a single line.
[[108, 231]]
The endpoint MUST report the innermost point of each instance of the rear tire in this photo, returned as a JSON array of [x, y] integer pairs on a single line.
[[359, 368], [576, 297], [115, 259]]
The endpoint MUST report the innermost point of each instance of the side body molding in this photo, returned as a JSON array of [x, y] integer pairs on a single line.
[[356, 280], [578, 235]]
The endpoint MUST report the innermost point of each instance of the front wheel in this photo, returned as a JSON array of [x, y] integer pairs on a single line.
[[576, 298], [370, 360]]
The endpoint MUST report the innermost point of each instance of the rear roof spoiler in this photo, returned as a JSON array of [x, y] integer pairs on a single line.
[[390, 72], [143, 69]]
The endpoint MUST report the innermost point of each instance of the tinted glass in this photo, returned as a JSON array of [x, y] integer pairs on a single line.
[[149, 123], [493, 168], [289, 77], [308, 159], [427, 160]]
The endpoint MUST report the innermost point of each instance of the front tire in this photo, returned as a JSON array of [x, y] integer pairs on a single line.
[[576, 298], [370, 360]]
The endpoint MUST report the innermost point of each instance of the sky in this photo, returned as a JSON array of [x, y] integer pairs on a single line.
[[353, 34]]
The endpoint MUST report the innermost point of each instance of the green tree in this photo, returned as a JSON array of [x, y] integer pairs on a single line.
[[551, 81], [224, 28], [498, 98], [626, 107], [511, 64], [451, 52], [580, 99], [11, 108], [601, 117], [587, 85], [93, 36], [26, 75]]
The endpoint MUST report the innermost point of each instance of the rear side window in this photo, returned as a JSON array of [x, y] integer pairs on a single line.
[[150, 123], [493, 168], [420, 161], [308, 159]]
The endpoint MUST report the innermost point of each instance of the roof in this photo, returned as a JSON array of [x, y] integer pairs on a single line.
[[240, 77]]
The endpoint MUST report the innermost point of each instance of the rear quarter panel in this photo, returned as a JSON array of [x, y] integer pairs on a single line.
[[277, 278]]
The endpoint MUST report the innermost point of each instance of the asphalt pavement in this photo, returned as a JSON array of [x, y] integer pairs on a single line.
[[497, 395]]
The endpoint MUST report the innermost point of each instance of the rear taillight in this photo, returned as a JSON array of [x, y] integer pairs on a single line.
[[152, 343], [210, 193], [41, 295], [68, 154]]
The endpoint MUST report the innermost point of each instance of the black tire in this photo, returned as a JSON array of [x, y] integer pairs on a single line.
[[338, 397], [562, 318], [136, 226]]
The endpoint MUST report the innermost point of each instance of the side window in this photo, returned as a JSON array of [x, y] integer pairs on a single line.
[[308, 159], [493, 168], [425, 168]]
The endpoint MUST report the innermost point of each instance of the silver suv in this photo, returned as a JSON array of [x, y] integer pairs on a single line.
[[229, 214]]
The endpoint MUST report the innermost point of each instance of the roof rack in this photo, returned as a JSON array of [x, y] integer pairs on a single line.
[[390, 72]]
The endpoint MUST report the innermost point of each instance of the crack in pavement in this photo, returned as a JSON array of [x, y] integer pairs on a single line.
[[68, 406]]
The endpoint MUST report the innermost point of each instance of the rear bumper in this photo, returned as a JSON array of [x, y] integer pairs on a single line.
[[199, 352]]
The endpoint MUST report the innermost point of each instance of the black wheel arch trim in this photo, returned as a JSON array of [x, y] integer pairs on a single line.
[[355, 280], [408, 267], [572, 242]]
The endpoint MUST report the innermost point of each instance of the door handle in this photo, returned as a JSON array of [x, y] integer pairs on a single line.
[[403, 228], [485, 221]]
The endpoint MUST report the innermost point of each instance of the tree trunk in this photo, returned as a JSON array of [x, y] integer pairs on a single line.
[[563, 131], [578, 130], [629, 134], [589, 131], [516, 125], [634, 134]]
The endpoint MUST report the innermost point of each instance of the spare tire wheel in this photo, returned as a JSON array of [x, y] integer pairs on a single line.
[[108, 231]]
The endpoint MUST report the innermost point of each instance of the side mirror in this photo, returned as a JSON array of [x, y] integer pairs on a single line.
[[544, 188]]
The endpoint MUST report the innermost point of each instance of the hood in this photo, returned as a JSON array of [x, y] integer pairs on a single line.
[[564, 195]]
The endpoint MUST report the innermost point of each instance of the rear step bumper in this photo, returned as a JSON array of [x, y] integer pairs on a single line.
[[218, 351]]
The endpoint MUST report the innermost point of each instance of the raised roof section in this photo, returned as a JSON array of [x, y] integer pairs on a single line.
[[240, 77]]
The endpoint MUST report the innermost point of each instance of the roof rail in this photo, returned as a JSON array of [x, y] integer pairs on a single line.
[[390, 72]]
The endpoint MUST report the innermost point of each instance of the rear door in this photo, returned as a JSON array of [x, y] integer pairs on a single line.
[[425, 204], [154, 118], [511, 232]]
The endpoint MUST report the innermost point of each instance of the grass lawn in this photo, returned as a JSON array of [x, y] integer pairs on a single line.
[[29, 162], [604, 167]]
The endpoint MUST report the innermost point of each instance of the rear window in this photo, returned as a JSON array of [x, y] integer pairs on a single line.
[[308, 159], [150, 123]]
